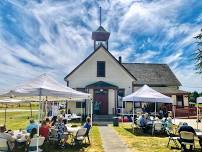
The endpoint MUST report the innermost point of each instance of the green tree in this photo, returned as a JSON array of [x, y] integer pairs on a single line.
[[198, 53], [193, 96]]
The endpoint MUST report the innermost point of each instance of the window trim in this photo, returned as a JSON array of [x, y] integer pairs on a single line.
[[78, 104], [181, 101], [104, 68], [123, 96]]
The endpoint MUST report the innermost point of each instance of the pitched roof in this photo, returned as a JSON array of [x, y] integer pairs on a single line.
[[101, 84], [109, 55], [152, 74]]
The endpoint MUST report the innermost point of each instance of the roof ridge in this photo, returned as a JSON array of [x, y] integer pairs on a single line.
[[146, 63]]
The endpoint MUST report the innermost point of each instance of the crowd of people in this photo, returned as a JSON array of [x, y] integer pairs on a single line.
[[145, 121], [45, 126]]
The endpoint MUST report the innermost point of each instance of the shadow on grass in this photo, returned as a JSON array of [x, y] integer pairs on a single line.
[[148, 133], [70, 148]]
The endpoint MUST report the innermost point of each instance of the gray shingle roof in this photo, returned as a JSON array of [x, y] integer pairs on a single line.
[[152, 74]]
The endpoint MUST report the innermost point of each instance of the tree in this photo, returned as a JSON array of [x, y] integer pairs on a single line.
[[198, 53], [193, 96]]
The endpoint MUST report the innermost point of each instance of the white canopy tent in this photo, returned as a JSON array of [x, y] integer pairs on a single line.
[[7, 101], [45, 85], [147, 94], [198, 101]]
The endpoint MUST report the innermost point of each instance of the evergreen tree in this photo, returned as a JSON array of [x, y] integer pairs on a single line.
[[198, 53]]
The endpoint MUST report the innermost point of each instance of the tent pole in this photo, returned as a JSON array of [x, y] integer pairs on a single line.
[[66, 106], [30, 109], [197, 116], [5, 116], [122, 112], [173, 107], [155, 109], [81, 112], [91, 114], [133, 116], [39, 115], [46, 106]]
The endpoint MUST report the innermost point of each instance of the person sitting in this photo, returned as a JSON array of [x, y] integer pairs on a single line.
[[31, 126], [169, 123], [44, 130], [88, 126], [33, 133], [186, 127], [48, 122], [61, 128], [9, 138], [142, 121]]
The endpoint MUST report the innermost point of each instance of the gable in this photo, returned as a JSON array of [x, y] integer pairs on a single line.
[[101, 54]]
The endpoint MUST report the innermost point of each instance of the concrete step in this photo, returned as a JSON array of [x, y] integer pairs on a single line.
[[102, 118]]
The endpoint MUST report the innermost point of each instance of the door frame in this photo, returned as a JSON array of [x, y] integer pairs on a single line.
[[107, 102]]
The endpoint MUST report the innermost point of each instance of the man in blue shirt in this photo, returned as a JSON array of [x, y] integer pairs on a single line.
[[31, 126], [142, 121], [87, 124]]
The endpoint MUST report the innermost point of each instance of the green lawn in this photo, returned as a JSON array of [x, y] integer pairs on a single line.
[[17, 120], [140, 142]]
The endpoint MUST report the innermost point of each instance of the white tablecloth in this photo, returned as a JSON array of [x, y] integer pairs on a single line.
[[20, 136], [72, 130]]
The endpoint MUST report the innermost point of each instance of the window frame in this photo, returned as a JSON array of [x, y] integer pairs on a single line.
[[98, 69], [78, 104], [120, 106], [177, 101]]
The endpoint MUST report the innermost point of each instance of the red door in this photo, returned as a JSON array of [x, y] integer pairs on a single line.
[[100, 101]]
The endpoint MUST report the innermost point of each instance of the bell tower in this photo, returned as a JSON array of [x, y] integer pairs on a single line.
[[100, 36]]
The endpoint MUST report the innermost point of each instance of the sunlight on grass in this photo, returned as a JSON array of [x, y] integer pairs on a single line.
[[140, 142], [17, 120]]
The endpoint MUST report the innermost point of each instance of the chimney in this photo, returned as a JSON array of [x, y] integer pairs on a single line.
[[120, 59]]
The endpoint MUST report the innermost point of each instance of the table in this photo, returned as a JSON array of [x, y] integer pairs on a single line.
[[20, 136], [72, 130], [199, 134]]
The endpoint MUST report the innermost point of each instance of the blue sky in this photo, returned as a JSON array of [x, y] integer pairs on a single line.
[[54, 36]]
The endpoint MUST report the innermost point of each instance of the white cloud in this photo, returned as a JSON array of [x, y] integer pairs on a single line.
[[58, 35]]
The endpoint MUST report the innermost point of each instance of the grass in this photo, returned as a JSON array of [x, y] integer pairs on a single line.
[[140, 142], [17, 120]]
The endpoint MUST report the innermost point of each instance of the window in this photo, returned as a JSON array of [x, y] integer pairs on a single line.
[[137, 105], [79, 104], [100, 68], [180, 101], [120, 93]]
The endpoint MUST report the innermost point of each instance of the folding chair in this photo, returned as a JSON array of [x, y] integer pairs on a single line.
[[3, 145], [80, 136], [172, 137], [87, 135], [187, 138], [157, 127], [33, 144]]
